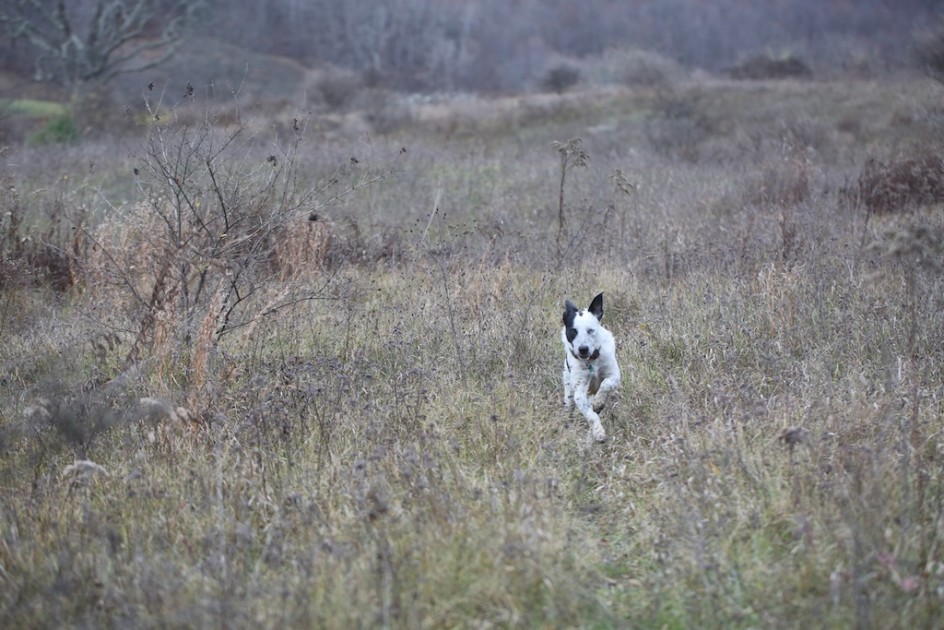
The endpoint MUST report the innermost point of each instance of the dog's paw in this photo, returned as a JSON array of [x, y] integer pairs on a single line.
[[599, 405], [597, 432]]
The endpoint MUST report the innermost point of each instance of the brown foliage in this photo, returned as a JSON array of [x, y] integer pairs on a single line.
[[900, 185]]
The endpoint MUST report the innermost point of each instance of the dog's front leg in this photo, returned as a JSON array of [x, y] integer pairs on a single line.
[[608, 385], [568, 387], [586, 408]]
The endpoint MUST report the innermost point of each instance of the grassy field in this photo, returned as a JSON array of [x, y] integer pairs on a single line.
[[218, 412]]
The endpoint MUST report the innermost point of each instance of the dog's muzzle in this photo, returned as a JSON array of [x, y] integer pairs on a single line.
[[583, 354]]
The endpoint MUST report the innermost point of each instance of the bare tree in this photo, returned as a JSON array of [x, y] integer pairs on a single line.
[[78, 42]]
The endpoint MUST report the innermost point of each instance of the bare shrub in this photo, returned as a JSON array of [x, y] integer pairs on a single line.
[[220, 237]]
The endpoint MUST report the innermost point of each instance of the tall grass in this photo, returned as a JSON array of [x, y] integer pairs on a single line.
[[394, 452]]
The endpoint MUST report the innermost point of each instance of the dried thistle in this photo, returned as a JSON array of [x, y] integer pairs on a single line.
[[571, 155]]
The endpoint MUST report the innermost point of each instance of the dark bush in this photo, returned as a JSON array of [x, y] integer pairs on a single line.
[[561, 78], [339, 89], [760, 67]]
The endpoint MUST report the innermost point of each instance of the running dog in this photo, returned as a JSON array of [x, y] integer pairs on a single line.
[[590, 368]]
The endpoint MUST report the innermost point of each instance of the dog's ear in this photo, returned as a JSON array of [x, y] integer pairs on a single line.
[[596, 307], [570, 311]]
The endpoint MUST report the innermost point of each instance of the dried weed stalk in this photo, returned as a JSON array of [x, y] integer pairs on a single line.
[[571, 155]]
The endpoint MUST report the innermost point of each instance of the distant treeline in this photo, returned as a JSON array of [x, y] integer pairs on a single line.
[[499, 45], [495, 45]]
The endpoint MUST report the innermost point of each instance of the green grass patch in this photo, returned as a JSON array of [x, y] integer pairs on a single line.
[[33, 108], [59, 130]]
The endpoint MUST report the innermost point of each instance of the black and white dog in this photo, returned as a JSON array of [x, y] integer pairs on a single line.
[[590, 368]]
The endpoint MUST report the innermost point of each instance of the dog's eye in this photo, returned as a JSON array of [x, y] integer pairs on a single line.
[[590, 331]]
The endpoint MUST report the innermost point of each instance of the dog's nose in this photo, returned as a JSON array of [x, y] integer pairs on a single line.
[[583, 351]]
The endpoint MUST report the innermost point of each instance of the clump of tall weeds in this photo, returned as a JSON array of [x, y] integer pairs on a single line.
[[225, 230]]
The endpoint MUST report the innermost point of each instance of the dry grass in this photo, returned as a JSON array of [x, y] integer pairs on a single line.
[[393, 452]]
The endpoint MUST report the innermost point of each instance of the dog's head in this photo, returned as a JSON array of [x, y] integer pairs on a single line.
[[581, 327]]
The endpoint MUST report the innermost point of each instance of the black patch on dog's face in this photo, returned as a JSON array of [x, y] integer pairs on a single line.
[[570, 312]]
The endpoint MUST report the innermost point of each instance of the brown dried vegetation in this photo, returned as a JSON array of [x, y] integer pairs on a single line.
[[236, 415], [903, 184]]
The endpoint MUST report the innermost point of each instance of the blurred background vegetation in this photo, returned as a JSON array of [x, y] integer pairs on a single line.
[[332, 52]]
